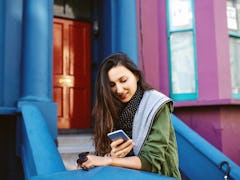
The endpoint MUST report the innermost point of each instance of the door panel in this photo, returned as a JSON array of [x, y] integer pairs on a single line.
[[72, 73]]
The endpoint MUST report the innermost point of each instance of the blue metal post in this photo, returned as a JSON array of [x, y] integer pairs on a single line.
[[37, 60], [124, 28]]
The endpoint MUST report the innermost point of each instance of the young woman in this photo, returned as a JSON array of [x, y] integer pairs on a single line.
[[125, 101]]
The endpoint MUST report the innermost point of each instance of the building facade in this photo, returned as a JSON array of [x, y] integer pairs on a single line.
[[187, 49]]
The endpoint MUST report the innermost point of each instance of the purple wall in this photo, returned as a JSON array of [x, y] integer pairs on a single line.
[[153, 42], [230, 118], [212, 50], [219, 125], [215, 115], [209, 115]]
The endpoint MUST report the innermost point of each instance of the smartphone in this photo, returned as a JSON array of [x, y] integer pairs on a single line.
[[118, 134]]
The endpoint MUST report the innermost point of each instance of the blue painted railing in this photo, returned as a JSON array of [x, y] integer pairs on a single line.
[[38, 151], [104, 173], [41, 159], [199, 159]]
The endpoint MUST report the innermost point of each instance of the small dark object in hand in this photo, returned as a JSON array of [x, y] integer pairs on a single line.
[[82, 158]]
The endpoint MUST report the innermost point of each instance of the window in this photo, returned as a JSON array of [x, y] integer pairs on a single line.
[[233, 20], [182, 51]]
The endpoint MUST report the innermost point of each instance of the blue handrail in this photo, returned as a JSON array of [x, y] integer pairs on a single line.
[[38, 151], [41, 160], [198, 158]]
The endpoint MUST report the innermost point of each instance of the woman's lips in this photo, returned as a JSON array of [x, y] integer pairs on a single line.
[[122, 97]]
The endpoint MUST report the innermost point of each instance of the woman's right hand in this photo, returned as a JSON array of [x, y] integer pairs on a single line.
[[120, 148]]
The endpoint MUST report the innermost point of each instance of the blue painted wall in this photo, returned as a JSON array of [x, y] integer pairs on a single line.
[[10, 53], [37, 51], [124, 28], [2, 13], [118, 33], [26, 57]]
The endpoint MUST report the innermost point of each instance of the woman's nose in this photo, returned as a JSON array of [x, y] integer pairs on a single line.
[[119, 88]]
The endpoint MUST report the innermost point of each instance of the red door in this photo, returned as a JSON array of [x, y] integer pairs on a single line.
[[71, 78]]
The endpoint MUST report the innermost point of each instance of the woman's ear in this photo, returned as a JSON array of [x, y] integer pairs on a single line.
[[137, 76]]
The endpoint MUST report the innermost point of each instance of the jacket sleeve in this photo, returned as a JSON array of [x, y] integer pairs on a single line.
[[159, 152]]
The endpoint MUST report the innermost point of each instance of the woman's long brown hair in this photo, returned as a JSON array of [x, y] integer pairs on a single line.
[[106, 107]]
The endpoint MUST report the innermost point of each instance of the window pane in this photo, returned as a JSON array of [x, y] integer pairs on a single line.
[[235, 64], [233, 15], [180, 14], [182, 63]]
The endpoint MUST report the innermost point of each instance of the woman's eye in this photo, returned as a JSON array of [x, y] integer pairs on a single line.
[[112, 85], [123, 80]]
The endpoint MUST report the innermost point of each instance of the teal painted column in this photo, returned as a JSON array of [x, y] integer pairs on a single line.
[[37, 50], [124, 28]]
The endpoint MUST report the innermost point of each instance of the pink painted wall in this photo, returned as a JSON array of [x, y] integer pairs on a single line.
[[205, 121], [230, 118], [163, 49], [219, 125], [212, 50], [152, 42], [214, 115], [212, 47]]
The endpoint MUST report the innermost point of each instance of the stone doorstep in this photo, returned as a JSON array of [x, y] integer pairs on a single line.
[[69, 160]]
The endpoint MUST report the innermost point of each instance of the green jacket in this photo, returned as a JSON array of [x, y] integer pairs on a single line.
[[159, 152]]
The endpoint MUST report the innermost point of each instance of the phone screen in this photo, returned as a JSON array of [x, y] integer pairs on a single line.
[[119, 134]]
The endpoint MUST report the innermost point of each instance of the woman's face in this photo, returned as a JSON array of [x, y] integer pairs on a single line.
[[123, 83]]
